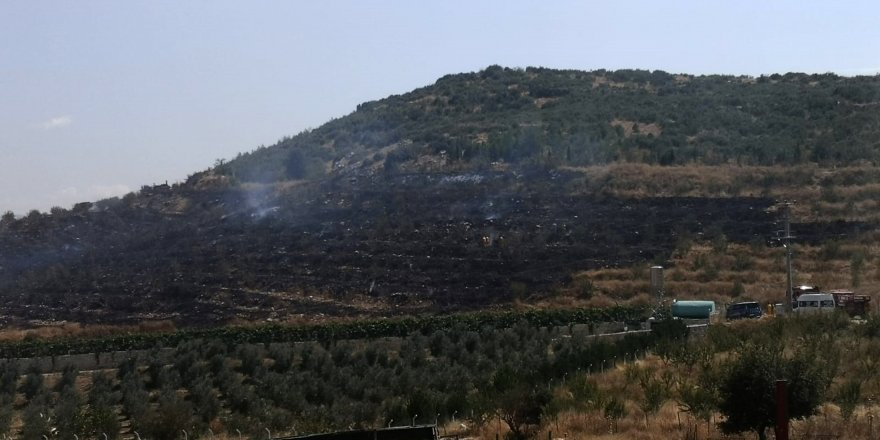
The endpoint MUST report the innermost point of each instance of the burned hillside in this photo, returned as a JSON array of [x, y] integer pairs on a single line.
[[458, 195], [409, 243]]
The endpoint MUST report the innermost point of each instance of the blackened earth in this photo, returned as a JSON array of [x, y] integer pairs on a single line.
[[421, 243]]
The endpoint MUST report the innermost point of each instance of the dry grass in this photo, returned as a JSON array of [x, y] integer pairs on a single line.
[[78, 330], [670, 422], [848, 193], [738, 272]]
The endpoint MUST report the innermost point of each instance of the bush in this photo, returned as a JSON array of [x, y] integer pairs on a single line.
[[169, 418], [204, 400], [747, 388], [32, 384], [847, 397], [34, 421], [669, 329]]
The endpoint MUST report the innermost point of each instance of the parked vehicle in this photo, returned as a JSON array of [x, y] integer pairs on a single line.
[[693, 309], [850, 302], [815, 303], [741, 310]]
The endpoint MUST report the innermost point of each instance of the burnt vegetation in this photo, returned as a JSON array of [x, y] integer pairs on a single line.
[[420, 241]]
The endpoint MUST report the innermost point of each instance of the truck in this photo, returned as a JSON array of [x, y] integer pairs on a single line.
[[850, 302]]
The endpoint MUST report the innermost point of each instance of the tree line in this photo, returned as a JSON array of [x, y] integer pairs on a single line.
[[360, 329], [216, 385]]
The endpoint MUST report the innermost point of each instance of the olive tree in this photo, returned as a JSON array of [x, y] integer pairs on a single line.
[[518, 401], [747, 387]]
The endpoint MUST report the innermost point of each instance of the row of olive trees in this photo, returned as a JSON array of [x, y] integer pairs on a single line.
[[509, 373], [315, 387]]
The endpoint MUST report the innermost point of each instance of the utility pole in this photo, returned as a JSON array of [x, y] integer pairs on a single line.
[[786, 210]]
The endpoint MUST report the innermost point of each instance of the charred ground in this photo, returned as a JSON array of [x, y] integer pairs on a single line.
[[349, 246]]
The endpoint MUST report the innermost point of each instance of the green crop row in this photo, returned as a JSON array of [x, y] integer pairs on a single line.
[[364, 329]]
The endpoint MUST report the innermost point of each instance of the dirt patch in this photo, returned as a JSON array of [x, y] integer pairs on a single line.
[[633, 128], [599, 81], [541, 102]]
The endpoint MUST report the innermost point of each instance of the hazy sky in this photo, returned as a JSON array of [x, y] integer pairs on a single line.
[[100, 97]]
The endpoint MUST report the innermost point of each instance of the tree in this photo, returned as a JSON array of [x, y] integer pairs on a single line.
[[35, 423], [295, 165], [135, 399], [9, 372], [32, 384], [68, 378], [585, 393], [6, 413], [101, 415], [747, 388], [655, 393], [101, 419], [614, 410], [847, 397], [205, 402], [172, 415], [34, 215], [699, 400], [518, 401], [857, 262], [70, 418]]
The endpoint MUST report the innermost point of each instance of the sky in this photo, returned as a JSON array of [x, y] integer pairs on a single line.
[[98, 98]]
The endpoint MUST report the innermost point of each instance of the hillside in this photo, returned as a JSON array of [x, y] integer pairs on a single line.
[[483, 190], [555, 117]]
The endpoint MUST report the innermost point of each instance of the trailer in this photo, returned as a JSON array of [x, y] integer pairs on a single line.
[[852, 303], [693, 309]]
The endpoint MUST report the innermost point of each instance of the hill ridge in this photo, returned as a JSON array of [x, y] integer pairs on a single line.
[[497, 189]]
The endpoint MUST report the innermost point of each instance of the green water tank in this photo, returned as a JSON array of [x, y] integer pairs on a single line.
[[693, 309]]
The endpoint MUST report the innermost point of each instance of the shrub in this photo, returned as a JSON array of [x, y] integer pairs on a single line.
[[169, 418], [847, 397], [747, 388], [32, 384]]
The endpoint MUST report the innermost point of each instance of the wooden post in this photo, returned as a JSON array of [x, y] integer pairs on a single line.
[[781, 410]]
